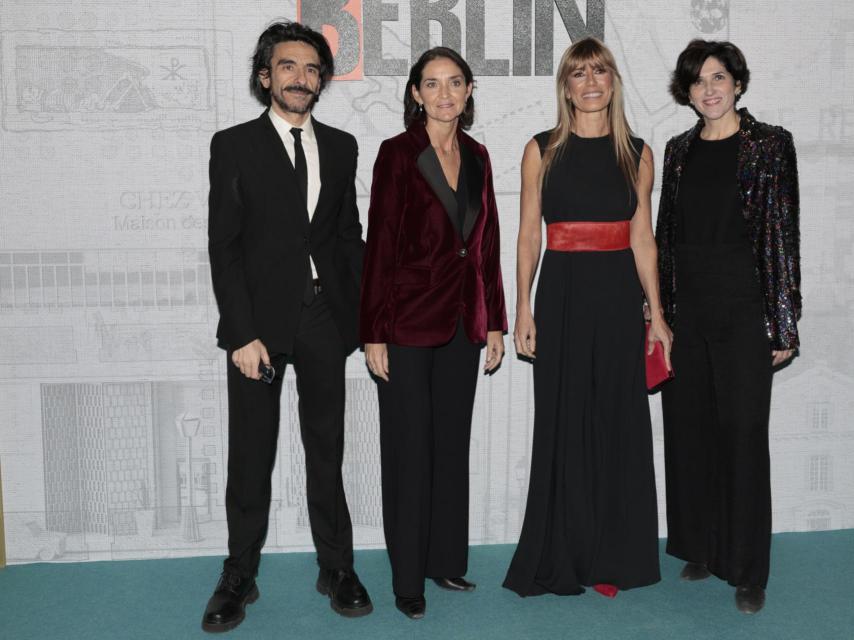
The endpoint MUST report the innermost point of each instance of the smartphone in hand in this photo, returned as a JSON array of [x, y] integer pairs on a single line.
[[268, 373]]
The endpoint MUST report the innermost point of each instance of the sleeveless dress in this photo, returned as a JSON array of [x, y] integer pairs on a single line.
[[591, 515]]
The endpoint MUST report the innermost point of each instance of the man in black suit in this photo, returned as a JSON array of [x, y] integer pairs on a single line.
[[286, 257]]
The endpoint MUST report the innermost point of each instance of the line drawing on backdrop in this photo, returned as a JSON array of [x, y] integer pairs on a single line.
[[106, 310]]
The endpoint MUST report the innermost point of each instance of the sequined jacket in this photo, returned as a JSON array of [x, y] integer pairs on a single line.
[[768, 183]]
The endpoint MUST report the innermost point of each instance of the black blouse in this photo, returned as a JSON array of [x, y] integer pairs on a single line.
[[708, 205]]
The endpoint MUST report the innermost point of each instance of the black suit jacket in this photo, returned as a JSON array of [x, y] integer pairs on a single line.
[[260, 238]]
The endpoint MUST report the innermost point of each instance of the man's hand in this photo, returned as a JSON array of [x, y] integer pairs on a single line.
[[248, 357]]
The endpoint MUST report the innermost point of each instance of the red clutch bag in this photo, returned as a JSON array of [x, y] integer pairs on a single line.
[[656, 367]]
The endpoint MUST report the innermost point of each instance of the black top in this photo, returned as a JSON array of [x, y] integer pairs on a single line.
[[462, 205], [708, 205], [585, 183], [461, 193]]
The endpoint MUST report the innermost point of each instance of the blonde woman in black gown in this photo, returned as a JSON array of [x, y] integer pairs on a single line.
[[591, 517]]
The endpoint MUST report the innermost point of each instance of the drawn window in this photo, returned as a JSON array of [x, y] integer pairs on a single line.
[[820, 416], [818, 520], [819, 473]]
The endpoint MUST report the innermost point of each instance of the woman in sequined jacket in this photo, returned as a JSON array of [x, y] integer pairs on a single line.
[[729, 265]]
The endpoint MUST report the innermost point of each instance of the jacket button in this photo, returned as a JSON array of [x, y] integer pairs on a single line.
[[463, 252]]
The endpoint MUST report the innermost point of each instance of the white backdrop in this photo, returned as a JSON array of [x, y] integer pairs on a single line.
[[107, 353]]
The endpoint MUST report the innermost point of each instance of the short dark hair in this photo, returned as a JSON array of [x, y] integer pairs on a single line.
[[412, 110], [287, 32], [691, 61]]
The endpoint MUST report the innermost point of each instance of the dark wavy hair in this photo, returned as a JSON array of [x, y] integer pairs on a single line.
[[287, 32], [691, 61], [412, 110]]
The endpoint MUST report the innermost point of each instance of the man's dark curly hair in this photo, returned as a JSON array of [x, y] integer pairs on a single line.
[[287, 32]]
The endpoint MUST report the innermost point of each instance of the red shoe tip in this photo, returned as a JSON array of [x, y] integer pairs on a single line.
[[607, 590]]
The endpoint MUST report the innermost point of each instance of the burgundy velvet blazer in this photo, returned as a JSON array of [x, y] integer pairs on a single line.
[[425, 268]]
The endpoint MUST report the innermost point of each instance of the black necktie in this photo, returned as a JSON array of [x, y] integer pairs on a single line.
[[301, 169], [300, 166]]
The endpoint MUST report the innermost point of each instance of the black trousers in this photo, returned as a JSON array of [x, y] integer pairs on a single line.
[[253, 428], [716, 417], [425, 428]]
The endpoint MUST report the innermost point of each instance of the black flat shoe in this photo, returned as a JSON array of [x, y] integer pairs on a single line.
[[749, 599], [454, 584], [411, 607], [227, 606], [694, 571], [347, 595]]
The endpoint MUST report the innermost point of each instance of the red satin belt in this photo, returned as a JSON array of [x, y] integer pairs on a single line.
[[588, 236]]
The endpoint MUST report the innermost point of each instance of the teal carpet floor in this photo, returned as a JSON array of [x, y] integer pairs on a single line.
[[810, 596]]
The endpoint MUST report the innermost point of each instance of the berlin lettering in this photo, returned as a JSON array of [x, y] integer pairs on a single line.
[[357, 27]]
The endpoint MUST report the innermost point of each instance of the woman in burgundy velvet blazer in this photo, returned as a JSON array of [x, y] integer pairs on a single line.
[[421, 274], [431, 298]]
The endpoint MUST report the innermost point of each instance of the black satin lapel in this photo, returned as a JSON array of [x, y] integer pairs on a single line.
[[428, 165], [473, 174]]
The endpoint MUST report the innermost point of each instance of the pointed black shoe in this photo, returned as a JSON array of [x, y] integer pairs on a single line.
[[454, 584], [694, 571], [227, 606], [347, 595], [749, 599], [413, 608]]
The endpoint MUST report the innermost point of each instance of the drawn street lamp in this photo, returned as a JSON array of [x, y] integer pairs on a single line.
[[188, 425]]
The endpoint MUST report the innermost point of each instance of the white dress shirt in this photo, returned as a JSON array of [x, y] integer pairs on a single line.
[[312, 160]]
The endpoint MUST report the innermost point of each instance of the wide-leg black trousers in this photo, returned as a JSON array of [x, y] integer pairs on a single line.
[[425, 428], [253, 427], [716, 414]]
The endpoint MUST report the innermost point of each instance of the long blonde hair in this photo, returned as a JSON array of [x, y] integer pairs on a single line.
[[591, 50]]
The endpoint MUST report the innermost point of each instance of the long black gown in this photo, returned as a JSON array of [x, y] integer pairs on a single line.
[[591, 515]]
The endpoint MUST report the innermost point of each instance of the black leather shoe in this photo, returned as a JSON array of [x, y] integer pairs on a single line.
[[694, 571], [411, 607], [347, 595], [227, 606], [454, 584], [749, 599]]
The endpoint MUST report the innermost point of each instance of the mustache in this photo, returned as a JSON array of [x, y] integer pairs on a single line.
[[298, 88]]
